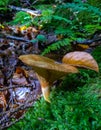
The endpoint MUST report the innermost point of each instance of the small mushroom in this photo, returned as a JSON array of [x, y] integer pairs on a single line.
[[81, 60], [47, 71]]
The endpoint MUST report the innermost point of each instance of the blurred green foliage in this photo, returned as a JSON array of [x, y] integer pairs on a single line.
[[76, 19], [21, 18], [4, 4]]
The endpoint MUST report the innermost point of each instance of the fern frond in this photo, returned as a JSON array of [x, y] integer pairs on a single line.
[[78, 7], [21, 18], [57, 17], [57, 45], [64, 31], [90, 28]]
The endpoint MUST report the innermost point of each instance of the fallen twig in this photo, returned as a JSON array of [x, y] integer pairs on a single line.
[[11, 123], [89, 42], [29, 11], [14, 38], [6, 88], [14, 86]]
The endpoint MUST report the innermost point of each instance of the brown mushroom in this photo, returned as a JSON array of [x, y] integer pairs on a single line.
[[47, 70], [81, 59]]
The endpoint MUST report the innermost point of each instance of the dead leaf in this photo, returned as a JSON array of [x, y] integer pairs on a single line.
[[20, 70], [1, 78], [21, 94], [19, 76], [81, 59], [80, 47], [3, 102]]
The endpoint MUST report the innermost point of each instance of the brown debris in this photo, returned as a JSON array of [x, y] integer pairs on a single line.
[[19, 87]]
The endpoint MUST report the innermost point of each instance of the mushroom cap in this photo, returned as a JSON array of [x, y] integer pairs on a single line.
[[46, 67], [81, 59]]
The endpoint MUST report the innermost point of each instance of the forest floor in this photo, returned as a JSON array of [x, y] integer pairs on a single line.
[[19, 86]]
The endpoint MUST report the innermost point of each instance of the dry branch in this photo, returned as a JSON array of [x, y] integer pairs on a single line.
[[11, 123], [89, 42], [14, 38], [14, 86], [29, 11]]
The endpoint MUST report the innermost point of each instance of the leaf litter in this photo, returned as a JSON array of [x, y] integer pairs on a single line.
[[19, 86]]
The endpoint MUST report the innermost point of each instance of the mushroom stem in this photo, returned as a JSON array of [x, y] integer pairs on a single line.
[[46, 93], [45, 87]]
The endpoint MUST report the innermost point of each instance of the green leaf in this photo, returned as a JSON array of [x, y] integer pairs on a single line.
[[41, 38], [34, 41]]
